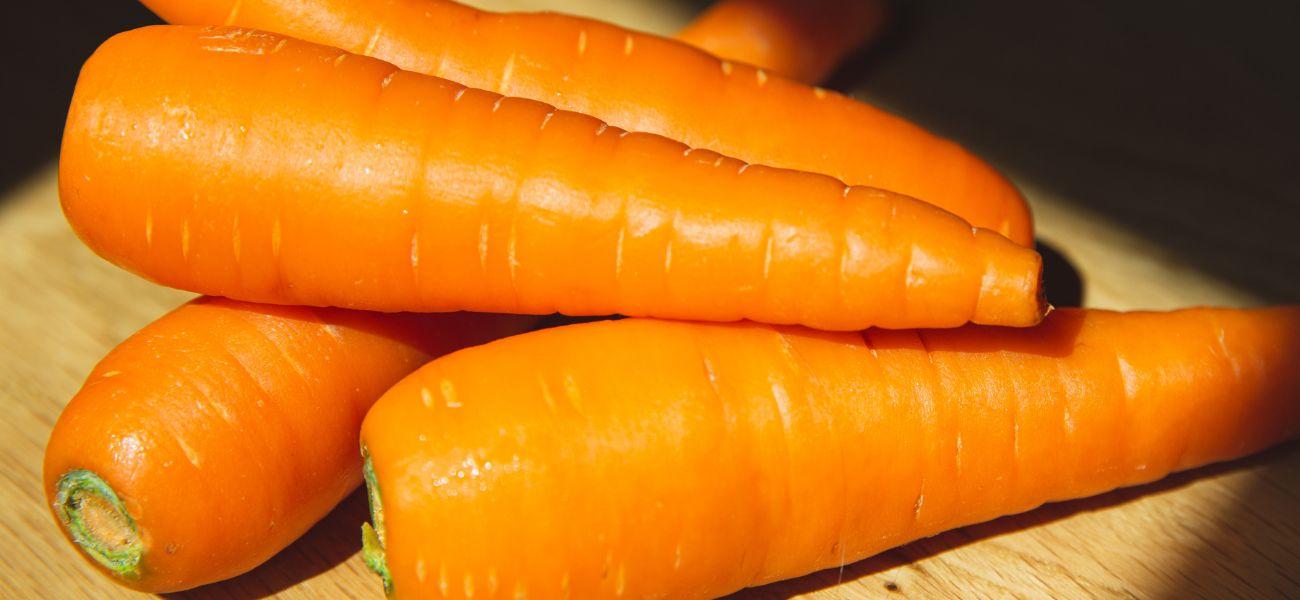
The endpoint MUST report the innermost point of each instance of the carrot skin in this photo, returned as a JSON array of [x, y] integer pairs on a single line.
[[797, 39], [642, 82], [647, 458], [227, 429], [279, 171]]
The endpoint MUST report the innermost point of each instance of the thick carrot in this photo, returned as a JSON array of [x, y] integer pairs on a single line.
[[646, 83], [251, 166], [799, 39], [218, 434], [643, 458]]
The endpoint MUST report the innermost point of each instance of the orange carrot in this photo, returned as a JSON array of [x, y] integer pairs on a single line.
[[643, 458], [251, 166], [645, 83], [218, 434], [800, 39]]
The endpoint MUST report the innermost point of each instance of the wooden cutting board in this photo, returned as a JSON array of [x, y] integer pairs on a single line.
[[1223, 531]]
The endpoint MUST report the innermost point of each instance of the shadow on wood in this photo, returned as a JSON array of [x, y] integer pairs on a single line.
[[1061, 278], [331, 541], [1285, 562], [1250, 550]]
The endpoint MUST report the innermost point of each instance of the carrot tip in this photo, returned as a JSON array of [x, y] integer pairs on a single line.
[[98, 523], [372, 537]]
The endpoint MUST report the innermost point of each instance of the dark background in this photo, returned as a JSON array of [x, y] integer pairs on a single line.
[[1177, 120], [43, 48]]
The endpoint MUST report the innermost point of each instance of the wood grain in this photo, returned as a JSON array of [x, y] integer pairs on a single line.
[[1224, 531]]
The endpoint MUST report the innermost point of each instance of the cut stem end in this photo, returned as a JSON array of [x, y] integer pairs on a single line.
[[98, 523], [372, 537]]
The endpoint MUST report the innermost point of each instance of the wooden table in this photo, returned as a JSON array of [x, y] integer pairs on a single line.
[[1223, 531]]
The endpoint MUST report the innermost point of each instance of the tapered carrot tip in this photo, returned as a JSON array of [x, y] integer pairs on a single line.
[[247, 165], [1011, 292], [93, 516]]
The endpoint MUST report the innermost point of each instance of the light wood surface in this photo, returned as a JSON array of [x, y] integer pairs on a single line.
[[1225, 531]]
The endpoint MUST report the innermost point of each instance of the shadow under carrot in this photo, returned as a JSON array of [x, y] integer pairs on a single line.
[[1199, 572], [327, 544]]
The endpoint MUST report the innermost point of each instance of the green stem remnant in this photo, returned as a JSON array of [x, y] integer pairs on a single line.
[[94, 516], [372, 538]]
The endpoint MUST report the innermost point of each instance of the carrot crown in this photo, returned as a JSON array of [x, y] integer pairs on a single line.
[[98, 523], [372, 537]]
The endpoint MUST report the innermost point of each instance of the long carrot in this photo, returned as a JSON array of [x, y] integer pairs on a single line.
[[247, 165], [642, 82], [644, 458], [218, 434], [799, 39]]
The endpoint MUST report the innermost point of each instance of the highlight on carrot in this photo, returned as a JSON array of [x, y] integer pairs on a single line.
[[217, 435], [642, 82], [646, 458], [803, 40], [274, 170]]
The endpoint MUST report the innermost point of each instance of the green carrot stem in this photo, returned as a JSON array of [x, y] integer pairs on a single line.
[[98, 523], [372, 538]]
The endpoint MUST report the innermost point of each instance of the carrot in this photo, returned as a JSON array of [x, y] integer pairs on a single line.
[[215, 436], [645, 458], [247, 165], [645, 83], [798, 39]]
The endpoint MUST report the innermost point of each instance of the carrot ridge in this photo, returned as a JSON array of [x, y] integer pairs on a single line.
[[748, 453], [643, 82], [427, 196]]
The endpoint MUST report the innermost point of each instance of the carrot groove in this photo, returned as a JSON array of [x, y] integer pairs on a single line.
[[645, 458], [641, 82], [230, 413], [278, 171], [800, 39]]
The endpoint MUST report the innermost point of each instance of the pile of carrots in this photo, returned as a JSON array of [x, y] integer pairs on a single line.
[[839, 340]]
